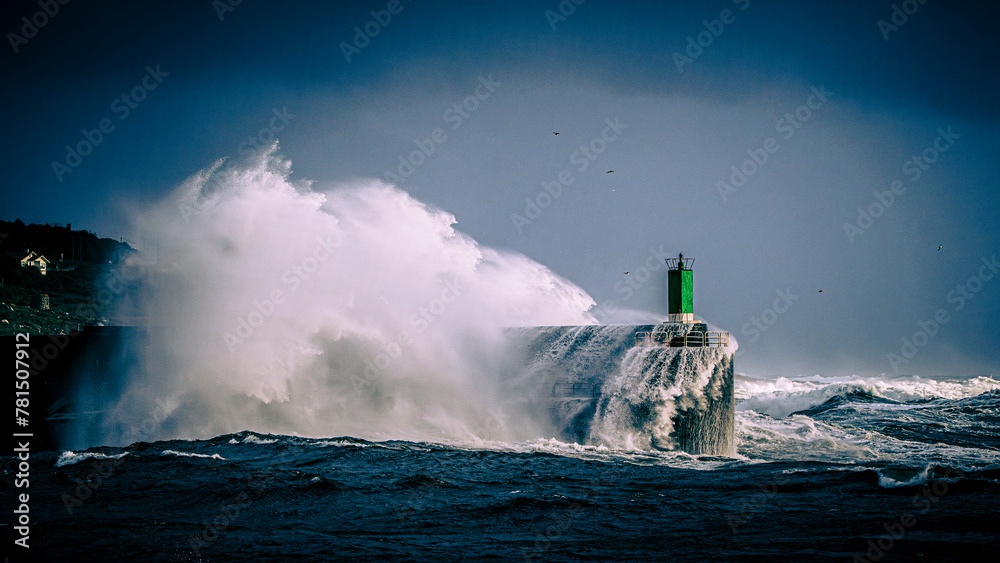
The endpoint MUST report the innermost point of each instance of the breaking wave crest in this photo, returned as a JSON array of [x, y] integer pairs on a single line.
[[286, 307]]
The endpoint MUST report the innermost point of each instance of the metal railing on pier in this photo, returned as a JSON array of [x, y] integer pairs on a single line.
[[577, 390], [694, 338]]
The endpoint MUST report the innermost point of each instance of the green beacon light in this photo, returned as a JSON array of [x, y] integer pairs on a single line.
[[680, 289]]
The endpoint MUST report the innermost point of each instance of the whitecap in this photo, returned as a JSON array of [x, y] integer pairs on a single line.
[[190, 454], [72, 458]]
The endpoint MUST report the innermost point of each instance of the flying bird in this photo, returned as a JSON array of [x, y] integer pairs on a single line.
[[626, 273], [611, 171], [821, 291], [939, 246], [554, 133]]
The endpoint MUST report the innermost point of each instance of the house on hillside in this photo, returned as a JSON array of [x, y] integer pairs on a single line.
[[35, 260]]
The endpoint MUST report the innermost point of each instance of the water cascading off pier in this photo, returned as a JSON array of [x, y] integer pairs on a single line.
[[667, 386]]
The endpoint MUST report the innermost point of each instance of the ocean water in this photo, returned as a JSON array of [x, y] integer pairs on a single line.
[[863, 469]]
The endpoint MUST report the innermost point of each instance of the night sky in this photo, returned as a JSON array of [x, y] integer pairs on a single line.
[[790, 147]]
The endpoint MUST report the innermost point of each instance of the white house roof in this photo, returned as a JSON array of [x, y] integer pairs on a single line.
[[32, 256]]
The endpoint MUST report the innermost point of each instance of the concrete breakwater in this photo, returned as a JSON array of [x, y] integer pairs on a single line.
[[667, 389], [666, 386]]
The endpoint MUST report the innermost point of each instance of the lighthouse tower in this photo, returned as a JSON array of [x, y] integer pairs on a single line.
[[680, 289]]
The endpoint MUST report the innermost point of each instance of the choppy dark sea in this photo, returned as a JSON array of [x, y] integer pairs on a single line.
[[828, 469]]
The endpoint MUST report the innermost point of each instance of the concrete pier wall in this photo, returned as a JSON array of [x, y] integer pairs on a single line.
[[593, 383], [602, 388]]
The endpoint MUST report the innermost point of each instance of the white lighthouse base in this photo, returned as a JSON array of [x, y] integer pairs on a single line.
[[680, 318]]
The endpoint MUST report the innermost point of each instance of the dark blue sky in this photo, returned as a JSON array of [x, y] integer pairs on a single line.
[[221, 81]]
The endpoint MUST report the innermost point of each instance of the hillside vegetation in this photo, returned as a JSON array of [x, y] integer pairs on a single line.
[[72, 285]]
